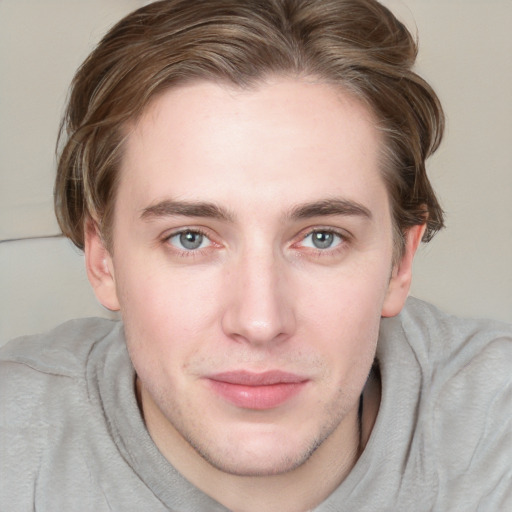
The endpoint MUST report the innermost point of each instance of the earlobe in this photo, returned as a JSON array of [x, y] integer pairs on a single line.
[[100, 270], [401, 278]]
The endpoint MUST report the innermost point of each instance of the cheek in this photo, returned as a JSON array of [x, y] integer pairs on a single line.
[[158, 291], [350, 298], [164, 310], [345, 314]]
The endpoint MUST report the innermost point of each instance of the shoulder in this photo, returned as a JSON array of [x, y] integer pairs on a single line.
[[465, 403], [62, 351], [446, 344], [441, 333], [465, 363], [44, 401], [39, 374]]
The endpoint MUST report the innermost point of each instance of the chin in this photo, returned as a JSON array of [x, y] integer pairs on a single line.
[[263, 457], [260, 466]]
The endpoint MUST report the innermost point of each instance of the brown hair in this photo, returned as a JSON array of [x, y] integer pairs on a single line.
[[354, 44]]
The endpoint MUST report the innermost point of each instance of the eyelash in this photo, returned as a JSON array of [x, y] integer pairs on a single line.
[[344, 239], [190, 253]]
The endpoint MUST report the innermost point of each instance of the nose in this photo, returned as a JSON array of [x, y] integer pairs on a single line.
[[260, 307]]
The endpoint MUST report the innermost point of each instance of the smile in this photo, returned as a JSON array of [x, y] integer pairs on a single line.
[[257, 391]]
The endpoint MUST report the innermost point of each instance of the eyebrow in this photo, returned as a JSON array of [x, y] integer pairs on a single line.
[[170, 208], [327, 207], [322, 208]]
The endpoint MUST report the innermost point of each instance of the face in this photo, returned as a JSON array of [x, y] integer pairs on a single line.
[[252, 262]]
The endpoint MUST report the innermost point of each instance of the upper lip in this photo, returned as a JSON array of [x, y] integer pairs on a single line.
[[247, 378]]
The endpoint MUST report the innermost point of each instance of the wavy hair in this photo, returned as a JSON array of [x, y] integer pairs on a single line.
[[357, 45]]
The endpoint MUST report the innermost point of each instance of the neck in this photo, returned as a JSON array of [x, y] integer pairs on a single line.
[[298, 490]]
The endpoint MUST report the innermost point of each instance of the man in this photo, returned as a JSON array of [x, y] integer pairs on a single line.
[[247, 180]]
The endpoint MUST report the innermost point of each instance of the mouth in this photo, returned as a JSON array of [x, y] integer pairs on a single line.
[[257, 391]]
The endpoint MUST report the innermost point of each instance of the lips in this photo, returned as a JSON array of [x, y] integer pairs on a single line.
[[257, 391]]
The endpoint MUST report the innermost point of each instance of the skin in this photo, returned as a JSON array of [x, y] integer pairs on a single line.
[[254, 176]]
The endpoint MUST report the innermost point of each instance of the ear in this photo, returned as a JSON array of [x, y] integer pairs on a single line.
[[400, 282], [99, 266]]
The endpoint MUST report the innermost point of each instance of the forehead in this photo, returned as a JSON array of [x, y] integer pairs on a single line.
[[281, 140]]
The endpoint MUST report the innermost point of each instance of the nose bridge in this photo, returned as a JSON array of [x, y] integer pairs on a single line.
[[259, 311]]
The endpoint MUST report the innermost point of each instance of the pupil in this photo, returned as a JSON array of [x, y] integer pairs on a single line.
[[322, 240], [191, 240]]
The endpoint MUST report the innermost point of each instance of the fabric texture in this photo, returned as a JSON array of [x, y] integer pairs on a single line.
[[72, 437]]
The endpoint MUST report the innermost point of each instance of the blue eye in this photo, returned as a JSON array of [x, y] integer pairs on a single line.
[[322, 239], [189, 240]]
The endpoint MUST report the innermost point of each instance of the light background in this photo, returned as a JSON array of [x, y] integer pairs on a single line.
[[465, 53]]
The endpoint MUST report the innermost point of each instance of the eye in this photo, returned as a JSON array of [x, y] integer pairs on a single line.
[[189, 240], [322, 239]]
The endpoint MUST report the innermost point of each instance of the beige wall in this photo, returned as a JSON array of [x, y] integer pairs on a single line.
[[465, 51]]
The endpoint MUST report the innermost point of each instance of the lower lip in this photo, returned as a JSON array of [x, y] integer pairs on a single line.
[[257, 397]]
